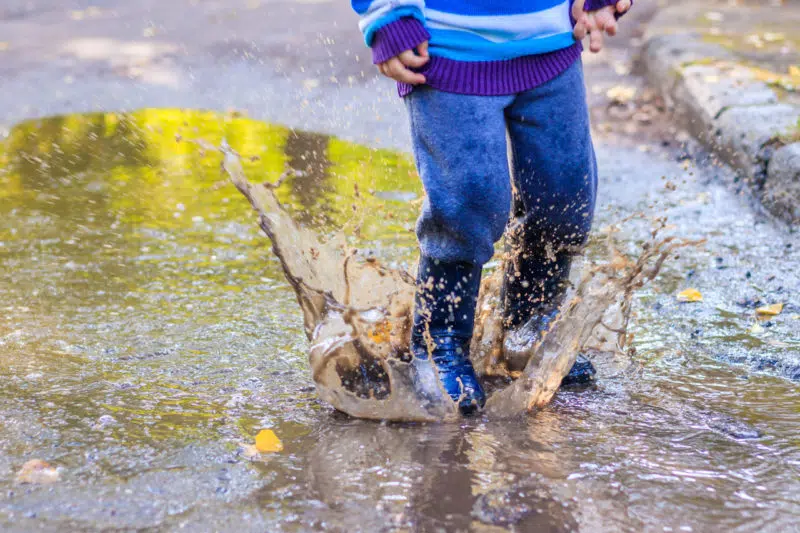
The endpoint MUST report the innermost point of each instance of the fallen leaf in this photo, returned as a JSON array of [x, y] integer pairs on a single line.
[[267, 441], [690, 295], [621, 94], [380, 333], [770, 310], [37, 472], [794, 71], [756, 328]]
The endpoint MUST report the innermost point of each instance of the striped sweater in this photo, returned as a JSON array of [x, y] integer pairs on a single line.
[[478, 47]]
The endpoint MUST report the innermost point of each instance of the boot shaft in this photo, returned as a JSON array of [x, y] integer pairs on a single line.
[[446, 296], [534, 284]]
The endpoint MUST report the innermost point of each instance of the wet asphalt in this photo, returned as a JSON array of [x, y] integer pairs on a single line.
[[303, 64]]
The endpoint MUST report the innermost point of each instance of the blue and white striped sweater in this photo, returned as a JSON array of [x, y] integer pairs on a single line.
[[477, 47], [477, 30]]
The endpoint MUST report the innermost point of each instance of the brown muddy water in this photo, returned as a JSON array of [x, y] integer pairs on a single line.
[[147, 333]]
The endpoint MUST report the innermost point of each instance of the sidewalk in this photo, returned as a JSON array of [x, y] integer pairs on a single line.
[[732, 75]]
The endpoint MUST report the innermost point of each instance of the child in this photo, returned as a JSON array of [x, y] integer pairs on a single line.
[[499, 123]]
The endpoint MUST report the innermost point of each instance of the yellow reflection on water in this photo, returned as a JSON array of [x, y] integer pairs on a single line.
[[131, 267]]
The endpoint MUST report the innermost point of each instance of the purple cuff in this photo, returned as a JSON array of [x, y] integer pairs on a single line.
[[594, 5], [404, 34]]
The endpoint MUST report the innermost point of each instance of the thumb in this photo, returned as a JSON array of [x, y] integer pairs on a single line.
[[422, 49]]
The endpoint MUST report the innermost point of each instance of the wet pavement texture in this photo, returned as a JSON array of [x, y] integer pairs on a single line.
[[762, 33], [147, 332]]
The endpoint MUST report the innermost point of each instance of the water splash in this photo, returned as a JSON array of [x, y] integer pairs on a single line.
[[357, 316]]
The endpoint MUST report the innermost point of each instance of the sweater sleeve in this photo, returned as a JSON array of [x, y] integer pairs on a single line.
[[404, 34], [594, 5], [376, 14]]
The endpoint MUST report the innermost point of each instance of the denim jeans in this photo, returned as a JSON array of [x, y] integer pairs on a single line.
[[478, 154]]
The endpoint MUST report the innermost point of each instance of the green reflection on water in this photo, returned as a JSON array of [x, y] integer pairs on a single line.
[[136, 285]]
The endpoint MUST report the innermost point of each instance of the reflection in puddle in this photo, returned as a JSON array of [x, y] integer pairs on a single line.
[[146, 331]]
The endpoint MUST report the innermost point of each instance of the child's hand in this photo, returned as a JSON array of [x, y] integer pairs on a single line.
[[595, 23], [397, 67]]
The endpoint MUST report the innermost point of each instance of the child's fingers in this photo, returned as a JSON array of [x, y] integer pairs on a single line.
[[397, 71], [410, 59], [577, 9], [596, 39], [623, 6], [606, 22], [422, 49], [579, 31]]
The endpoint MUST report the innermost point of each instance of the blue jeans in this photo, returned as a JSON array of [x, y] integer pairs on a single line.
[[472, 151]]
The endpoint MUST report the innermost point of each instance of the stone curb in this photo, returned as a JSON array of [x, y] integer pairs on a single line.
[[738, 117]]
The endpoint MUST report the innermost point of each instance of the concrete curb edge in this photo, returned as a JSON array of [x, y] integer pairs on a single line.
[[737, 116]]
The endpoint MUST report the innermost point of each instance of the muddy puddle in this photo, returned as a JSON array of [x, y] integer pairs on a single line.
[[148, 332]]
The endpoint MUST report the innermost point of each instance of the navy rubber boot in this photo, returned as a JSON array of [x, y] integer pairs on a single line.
[[581, 373], [534, 287], [444, 316]]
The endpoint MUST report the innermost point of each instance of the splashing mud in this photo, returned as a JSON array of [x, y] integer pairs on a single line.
[[147, 331], [357, 315]]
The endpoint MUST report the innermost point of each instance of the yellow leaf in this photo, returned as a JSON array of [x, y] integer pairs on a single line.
[[380, 333], [794, 71], [770, 310], [267, 441], [690, 295], [37, 472], [621, 94]]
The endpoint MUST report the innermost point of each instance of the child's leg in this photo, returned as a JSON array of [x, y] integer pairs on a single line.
[[555, 178], [460, 150]]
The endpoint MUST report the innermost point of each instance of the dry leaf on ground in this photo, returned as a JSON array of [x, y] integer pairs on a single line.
[[37, 472], [690, 295], [267, 441], [770, 310], [621, 94]]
